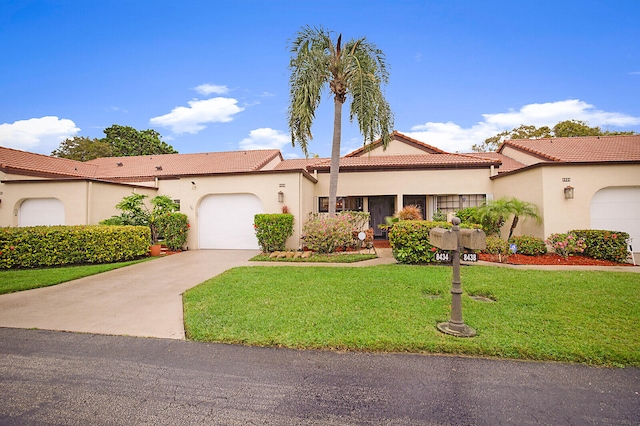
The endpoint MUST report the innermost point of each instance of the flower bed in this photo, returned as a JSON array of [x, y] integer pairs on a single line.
[[549, 259]]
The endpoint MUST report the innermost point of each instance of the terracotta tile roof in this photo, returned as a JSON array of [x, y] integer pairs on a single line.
[[397, 136], [151, 166], [299, 163], [580, 149], [508, 164], [28, 163], [426, 161]]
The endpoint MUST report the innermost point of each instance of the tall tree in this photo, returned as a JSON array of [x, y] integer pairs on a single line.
[[81, 148], [354, 70], [572, 128], [126, 141], [564, 129], [522, 132]]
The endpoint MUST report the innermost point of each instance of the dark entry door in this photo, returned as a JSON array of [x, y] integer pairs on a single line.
[[379, 208], [416, 200]]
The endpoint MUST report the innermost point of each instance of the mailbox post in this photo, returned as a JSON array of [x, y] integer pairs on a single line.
[[470, 238]]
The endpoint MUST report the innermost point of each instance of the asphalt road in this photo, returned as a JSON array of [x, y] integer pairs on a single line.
[[57, 378]]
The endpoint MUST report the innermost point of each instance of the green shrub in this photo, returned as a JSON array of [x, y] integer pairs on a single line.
[[606, 245], [272, 230], [531, 246], [359, 221], [38, 246], [496, 245], [325, 234], [410, 241], [468, 214], [173, 227], [566, 244]]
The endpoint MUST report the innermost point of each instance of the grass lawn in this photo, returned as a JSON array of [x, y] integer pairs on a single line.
[[569, 316], [12, 280]]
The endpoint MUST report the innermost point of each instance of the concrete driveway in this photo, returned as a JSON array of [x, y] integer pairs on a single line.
[[140, 300]]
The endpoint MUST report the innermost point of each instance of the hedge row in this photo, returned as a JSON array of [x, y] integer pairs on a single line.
[[607, 245], [38, 246]]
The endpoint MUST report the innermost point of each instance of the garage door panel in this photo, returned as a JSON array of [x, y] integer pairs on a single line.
[[617, 209], [226, 221], [41, 212]]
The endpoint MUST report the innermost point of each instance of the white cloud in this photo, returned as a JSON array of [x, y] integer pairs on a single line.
[[192, 119], [265, 138], [207, 89], [41, 135], [454, 138]]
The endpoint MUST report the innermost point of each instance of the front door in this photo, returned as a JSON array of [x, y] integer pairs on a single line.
[[379, 208]]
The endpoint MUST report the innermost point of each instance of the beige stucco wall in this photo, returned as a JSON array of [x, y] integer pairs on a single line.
[[395, 148], [85, 202], [520, 156], [409, 182], [265, 186], [544, 185]]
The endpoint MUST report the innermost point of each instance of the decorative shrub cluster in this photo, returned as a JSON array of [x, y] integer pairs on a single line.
[[325, 234], [607, 245], [272, 231], [531, 246], [410, 212], [38, 246], [566, 244], [173, 227], [496, 245], [410, 241]]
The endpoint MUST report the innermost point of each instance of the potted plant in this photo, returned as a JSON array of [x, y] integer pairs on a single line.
[[136, 212]]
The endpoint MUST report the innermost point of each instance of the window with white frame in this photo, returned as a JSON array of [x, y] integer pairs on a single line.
[[453, 203]]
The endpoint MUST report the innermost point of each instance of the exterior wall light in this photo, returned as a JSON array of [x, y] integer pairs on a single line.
[[280, 196], [568, 192]]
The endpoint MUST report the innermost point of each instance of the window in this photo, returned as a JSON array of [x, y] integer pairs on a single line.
[[453, 203], [342, 204]]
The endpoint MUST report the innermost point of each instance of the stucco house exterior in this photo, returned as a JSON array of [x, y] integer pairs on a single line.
[[577, 183]]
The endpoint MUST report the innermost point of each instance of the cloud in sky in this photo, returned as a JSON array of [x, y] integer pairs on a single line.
[[193, 118], [41, 135], [454, 138], [265, 138], [208, 89]]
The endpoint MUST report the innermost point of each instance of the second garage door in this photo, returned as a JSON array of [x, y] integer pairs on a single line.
[[225, 221], [617, 209]]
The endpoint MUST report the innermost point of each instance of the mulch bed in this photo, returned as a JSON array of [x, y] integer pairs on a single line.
[[549, 259]]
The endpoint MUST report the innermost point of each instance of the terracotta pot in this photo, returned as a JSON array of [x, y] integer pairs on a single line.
[[154, 250]]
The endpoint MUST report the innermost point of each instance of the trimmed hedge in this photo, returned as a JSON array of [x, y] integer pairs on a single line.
[[531, 246], [174, 228], [409, 241], [272, 230], [606, 245], [38, 246]]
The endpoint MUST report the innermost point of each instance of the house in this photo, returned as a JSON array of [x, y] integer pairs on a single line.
[[577, 183]]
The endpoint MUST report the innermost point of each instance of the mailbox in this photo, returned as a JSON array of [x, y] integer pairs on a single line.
[[444, 239], [474, 239]]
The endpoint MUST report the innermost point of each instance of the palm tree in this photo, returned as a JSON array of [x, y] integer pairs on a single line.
[[494, 214], [519, 208], [356, 69]]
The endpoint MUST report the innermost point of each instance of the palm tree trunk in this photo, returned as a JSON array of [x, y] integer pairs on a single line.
[[513, 225], [335, 156]]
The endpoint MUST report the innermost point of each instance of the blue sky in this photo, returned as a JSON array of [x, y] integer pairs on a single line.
[[213, 75]]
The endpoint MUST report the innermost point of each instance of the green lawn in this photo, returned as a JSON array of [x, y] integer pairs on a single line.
[[320, 258], [572, 316], [12, 280]]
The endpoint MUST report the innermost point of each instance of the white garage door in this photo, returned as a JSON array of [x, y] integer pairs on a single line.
[[225, 221], [618, 209], [41, 211]]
